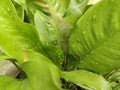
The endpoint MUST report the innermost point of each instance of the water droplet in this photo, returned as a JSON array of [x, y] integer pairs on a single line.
[[93, 18], [83, 32]]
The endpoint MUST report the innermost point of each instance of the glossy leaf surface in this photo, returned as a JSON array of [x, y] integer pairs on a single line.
[[14, 34], [41, 73], [95, 42], [87, 80]]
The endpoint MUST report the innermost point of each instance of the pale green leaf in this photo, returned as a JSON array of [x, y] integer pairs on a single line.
[[115, 76], [74, 11], [92, 2], [95, 42], [46, 28], [20, 2], [87, 80], [14, 34], [41, 73]]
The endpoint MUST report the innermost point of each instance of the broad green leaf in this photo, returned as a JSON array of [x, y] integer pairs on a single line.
[[14, 34], [5, 81], [74, 11], [41, 73], [63, 10], [95, 41], [46, 28], [87, 80]]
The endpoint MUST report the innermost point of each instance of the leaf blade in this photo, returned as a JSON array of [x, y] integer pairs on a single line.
[[14, 34], [87, 80], [91, 41]]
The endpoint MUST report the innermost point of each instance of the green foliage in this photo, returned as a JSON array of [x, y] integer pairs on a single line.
[[41, 73], [14, 34], [86, 80], [61, 35], [95, 42]]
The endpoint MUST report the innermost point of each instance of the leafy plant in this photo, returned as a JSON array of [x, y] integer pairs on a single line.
[[61, 44]]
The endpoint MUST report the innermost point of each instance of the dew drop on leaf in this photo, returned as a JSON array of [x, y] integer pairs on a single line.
[[93, 18], [83, 32]]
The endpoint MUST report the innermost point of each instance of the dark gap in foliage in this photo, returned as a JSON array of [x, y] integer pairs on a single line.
[[70, 86], [26, 18]]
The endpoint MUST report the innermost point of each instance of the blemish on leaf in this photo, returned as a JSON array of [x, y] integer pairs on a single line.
[[24, 56]]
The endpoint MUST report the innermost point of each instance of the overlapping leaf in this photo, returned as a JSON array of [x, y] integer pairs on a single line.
[[46, 28], [87, 80], [95, 41], [14, 34], [41, 73]]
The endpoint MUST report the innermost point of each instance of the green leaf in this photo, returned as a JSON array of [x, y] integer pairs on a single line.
[[49, 37], [74, 11], [55, 54], [57, 6], [3, 56], [115, 76], [16, 35], [46, 28], [63, 10], [87, 80], [41, 73], [95, 42], [19, 10]]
